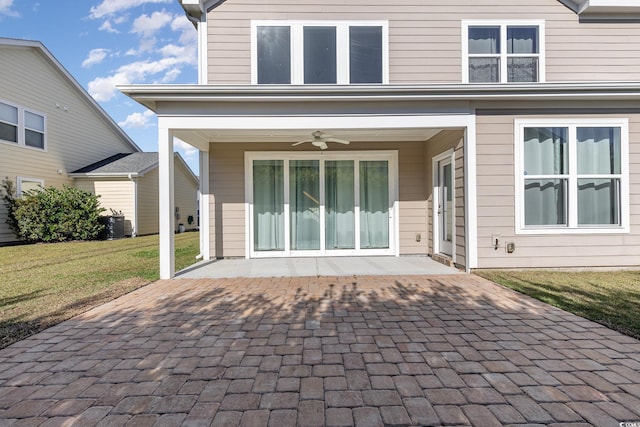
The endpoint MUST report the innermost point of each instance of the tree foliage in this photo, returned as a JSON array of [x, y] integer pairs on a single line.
[[51, 214]]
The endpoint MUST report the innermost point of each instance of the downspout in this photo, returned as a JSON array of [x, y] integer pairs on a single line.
[[134, 229]]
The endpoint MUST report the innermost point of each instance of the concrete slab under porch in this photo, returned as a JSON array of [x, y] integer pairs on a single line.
[[316, 266]]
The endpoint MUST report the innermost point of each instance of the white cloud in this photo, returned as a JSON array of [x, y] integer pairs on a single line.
[[148, 25], [112, 7], [170, 76], [184, 148], [95, 56], [137, 120], [106, 26], [121, 19], [164, 44], [6, 8], [104, 88]]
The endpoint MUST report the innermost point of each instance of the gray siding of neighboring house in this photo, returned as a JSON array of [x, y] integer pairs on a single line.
[[186, 191], [117, 194], [148, 208]]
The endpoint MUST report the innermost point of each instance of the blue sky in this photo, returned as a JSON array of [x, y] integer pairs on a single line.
[[103, 43]]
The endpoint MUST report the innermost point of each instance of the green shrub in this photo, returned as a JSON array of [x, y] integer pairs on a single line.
[[53, 215]]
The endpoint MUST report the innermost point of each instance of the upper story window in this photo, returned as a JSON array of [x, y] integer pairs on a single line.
[[503, 51], [22, 127], [572, 176], [319, 52]]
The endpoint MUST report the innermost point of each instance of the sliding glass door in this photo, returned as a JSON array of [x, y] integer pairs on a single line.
[[268, 205], [311, 205], [340, 205], [304, 204], [374, 204]]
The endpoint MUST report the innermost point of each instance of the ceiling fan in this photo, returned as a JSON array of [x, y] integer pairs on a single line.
[[319, 139]]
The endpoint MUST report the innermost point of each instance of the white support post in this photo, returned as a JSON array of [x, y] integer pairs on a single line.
[[471, 202], [166, 200], [204, 206]]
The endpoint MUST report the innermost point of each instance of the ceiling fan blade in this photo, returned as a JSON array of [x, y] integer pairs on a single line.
[[301, 142], [320, 144], [338, 140]]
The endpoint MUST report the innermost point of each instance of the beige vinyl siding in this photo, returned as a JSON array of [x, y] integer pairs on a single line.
[[76, 135], [148, 206], [425, 37], [496, 207], [412, 186], [117, 194], [227, 185], [443, 141], [185, 196]]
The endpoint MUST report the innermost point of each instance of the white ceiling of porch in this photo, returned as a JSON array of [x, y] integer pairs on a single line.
[[201, 137]]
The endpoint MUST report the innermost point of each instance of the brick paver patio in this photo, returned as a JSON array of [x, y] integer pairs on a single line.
[[335, 351]]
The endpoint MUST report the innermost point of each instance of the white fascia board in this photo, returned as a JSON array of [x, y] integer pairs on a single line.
[[151, 95]]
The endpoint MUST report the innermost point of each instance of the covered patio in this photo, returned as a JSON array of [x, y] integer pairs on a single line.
[[400, 183]]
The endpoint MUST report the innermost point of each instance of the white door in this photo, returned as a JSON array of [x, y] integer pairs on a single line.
[[445, 206]]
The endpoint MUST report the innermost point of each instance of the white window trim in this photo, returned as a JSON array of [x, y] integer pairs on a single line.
[[297, 47], [572, 227], [22, 127], [21, 179], [503, 24], [394, 236]]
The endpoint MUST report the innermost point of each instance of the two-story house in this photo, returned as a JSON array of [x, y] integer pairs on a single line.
[[49, 125], [493, 134], [53, 133]]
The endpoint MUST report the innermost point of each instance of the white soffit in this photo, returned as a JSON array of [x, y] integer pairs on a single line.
[[273, 135], [605, 9]]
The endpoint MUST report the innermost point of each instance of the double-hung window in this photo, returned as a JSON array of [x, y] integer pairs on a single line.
[[8, 123], [503, 51], [319, 52], [572, 176], [22, 127]]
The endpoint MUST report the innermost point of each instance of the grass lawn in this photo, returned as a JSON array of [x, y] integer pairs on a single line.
[[44, 284], [611, 298]]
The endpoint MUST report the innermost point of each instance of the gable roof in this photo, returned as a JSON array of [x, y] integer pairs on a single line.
[[125, 165], [586, 9], [48, 56], [121, 164]]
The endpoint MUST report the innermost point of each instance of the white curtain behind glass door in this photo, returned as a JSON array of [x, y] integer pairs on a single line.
[[374, 204]]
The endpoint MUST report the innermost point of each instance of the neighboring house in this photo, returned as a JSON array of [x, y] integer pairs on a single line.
[[49, 125], [493, 134], [128, 182]]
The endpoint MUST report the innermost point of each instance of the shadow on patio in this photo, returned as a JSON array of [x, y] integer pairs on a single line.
[[412, 350]]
